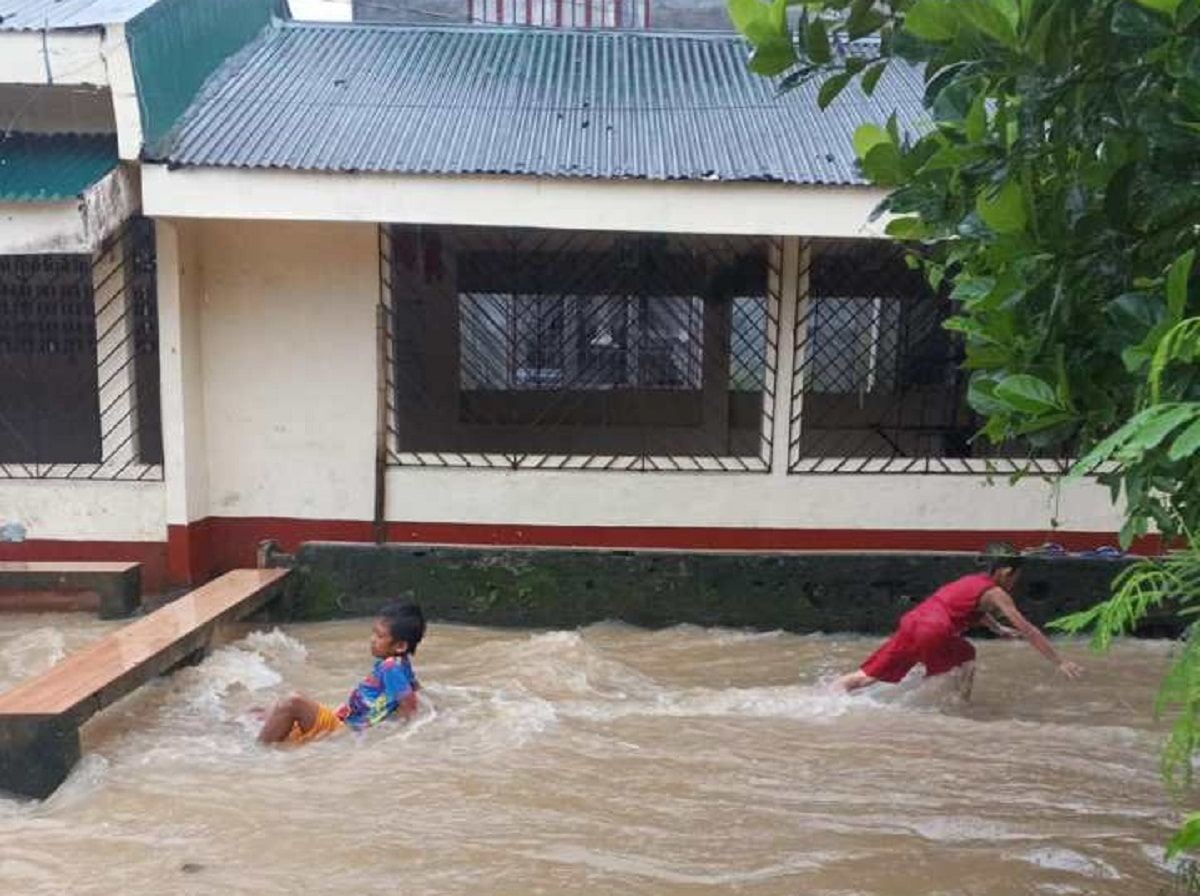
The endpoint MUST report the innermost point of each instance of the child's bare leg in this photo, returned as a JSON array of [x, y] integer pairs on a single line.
[[285, 713], [852, 682], [966, 679]]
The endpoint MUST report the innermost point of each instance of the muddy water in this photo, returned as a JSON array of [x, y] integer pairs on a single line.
[[610, 760]]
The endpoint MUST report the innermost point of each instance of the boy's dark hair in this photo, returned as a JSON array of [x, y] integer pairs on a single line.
[[1001, 555], [405, 622]]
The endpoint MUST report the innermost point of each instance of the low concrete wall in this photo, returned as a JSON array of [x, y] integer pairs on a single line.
[[807, 592]]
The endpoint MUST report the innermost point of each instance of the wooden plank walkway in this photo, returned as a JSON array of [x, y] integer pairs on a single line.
[[40, 718], [118, 585]]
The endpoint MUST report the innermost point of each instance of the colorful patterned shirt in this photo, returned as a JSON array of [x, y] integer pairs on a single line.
[[391, 685]]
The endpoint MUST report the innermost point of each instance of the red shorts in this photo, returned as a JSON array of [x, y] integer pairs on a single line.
[[918, 639]]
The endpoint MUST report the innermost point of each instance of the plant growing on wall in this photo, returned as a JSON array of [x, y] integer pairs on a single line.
[[1055, 191]]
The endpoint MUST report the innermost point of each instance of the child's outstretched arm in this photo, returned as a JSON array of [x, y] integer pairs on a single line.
[[998, 599]]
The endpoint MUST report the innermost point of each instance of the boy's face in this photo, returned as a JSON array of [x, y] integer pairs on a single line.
[[382, 643]]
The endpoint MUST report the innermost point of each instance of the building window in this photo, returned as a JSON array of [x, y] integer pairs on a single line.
[[878, 381], [526, 348], [79, 362], [562, 13], [49, 402]]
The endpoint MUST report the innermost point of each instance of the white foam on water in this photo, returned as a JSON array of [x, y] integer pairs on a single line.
[[276, 645], [1069, 860], [203, 688], [787, 701], [640, 866], [563, 664]]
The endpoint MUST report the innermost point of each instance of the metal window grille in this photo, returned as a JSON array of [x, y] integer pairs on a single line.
[[575, 350], [877, 385], [562, 13], [79, 363]]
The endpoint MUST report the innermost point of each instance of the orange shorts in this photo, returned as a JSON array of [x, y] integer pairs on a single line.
[[326, 723]]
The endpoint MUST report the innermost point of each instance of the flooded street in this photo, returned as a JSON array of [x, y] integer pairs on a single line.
[[610, 760]]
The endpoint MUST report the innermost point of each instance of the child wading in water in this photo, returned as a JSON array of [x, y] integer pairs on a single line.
[[932, 632], [390, 686]]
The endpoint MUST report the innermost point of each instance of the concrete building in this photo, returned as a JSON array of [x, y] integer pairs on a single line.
[[661, 15], [475, 285]]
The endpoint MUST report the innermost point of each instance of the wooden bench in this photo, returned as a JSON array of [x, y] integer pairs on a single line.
[[40, 718], [119, 585]]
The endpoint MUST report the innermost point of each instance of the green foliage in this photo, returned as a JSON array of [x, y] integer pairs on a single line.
[[1054, 190]]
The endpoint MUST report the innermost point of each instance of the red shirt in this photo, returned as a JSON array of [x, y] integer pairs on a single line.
[[958, 601]]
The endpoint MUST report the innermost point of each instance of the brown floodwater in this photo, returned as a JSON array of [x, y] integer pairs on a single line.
[[608, 760]]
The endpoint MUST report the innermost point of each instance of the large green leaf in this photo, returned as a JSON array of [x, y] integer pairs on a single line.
[[1177, 284], [744, 13], [1187, 443], [1027, 394], [995, 18], [1164, 7], [1004, 210], [932, 20], [816, 42], [867, 137], [773, 56], [832, 86]]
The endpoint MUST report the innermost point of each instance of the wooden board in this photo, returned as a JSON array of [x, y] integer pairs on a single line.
[[108, 669]]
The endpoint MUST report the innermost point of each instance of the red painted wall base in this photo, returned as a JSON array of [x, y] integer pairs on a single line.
[[196, 552]]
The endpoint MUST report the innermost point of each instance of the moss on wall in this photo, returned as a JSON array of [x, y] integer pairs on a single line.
[[837, 592]]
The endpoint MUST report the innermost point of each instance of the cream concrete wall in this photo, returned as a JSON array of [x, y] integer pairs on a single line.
[[181, 366], [56, 57], [755, 209], [85, 511], [288, 336], [288, 343], [742, 500]]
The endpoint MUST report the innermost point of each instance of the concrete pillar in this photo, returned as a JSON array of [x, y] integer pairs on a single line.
[[180, 290]]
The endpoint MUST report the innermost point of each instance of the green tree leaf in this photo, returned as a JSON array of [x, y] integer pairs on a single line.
[[744, 13], [1177, 285], [867, 137], [1187, 443], [773, 57], [816, 42], [1028, 394], [932, 20], [870, 78], [995, 18], [832, 86], [1166, 8], [1004, 210]]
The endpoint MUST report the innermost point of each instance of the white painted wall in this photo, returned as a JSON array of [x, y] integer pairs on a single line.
[[756, 209], [288, 336], [288, 342], [56, 57], [181, 366], [85, 511], [741, 500]]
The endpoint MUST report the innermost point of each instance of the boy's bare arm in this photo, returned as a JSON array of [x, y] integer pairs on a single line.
[[992, 624], [998, 599]]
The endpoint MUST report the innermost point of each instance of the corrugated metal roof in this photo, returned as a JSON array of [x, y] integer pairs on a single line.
[[35, 15], [661, 106], [53, 167]]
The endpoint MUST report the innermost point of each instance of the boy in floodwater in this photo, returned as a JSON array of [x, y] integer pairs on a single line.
[[932, 632], [390, 686]]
